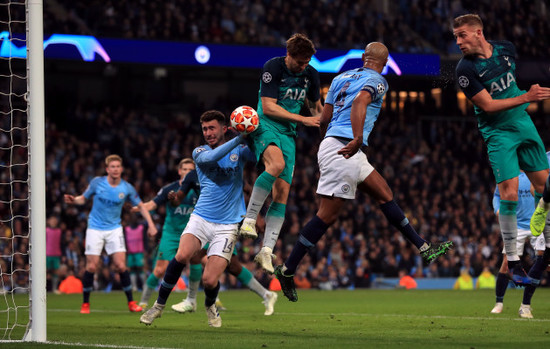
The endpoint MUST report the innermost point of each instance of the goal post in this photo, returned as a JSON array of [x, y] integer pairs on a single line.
[[37, 171]]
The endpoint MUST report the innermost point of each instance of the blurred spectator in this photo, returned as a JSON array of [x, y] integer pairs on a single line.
[[464, 281], [406, 281]]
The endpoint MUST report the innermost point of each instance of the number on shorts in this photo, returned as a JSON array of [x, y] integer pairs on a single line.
[[228, 246]]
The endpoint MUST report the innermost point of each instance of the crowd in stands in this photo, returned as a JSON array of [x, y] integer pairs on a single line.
[[404, 26]]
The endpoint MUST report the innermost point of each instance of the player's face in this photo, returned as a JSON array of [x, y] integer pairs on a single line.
[[213, 132], [185, 169], [296, 64], [468, 39], [114, 169]]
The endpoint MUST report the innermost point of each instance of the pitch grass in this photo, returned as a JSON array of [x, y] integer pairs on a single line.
[[320, 319]]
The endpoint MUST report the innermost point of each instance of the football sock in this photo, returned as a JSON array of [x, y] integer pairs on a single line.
[[195, 274], [509, 229], [146, 294], [262, 188], [152, 281], [274, 220], [87, 285], [538, 196], [173, 273], [500, 289], [397, 218], [311, 234], [247, 279], [126, 285], [546, 192], [211, 295], [541, 262]]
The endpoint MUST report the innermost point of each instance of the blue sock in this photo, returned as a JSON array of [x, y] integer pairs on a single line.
[[500, 289], [312, 232], [397, 218], [126, 285], [173, 273], [87, 285], [211, 294], [534, 274]]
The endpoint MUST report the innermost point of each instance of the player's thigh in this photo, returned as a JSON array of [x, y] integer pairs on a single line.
[[95, 241], [119, 260], [215, 266], [288, 147], [114, 241], [503, 156], [339, 176], [223, 242], [533, 160]]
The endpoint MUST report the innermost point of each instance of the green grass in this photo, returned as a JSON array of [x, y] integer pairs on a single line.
[[320, 319]]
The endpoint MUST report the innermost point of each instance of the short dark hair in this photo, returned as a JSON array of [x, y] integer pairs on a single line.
[[469, 19], [213, 115], [300, 46]]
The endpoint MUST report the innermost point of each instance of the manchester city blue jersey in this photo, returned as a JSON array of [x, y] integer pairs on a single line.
[[108, 202], [341, 94], [220, 172]]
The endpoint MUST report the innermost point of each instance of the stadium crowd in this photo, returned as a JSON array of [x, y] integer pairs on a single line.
[[404, 26]]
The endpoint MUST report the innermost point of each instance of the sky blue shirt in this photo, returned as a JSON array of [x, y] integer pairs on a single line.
[[220, 172], [108, 202], [343, 90]]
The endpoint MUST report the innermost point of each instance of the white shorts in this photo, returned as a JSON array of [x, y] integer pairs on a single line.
[[340, 176], [113, 240], [537, 242], [222, 237]]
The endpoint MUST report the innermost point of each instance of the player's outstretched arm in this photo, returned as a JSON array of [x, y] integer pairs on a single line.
[[74, 200], [149, 206], [489, 105], [203, 156], [152, 229], [271, 108]]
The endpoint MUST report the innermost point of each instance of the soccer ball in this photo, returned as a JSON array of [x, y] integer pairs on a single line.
[[244, 119]]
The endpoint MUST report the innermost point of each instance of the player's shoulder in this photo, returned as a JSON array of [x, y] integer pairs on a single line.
[[311, 71], [503, 46], [200, 149], [126, 184], [275, 63], [466, 63]]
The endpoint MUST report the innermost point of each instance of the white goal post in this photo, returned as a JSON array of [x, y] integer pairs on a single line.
[[37, 171]]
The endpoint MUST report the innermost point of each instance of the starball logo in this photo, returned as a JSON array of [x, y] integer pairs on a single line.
[[87, 46]]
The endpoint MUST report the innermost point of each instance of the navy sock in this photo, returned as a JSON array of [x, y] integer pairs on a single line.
[[87, 285], [211, 295], [534, 274], [126, 285], [312, 232], [397, 218], [546, 192], [502, 284], [173, 273]]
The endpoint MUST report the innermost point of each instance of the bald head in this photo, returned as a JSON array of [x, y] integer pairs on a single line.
[[375, 56]]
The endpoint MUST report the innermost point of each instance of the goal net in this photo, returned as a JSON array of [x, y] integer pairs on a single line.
[[22, 222]]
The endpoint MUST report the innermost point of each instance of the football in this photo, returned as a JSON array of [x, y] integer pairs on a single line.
[[245, 119]]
